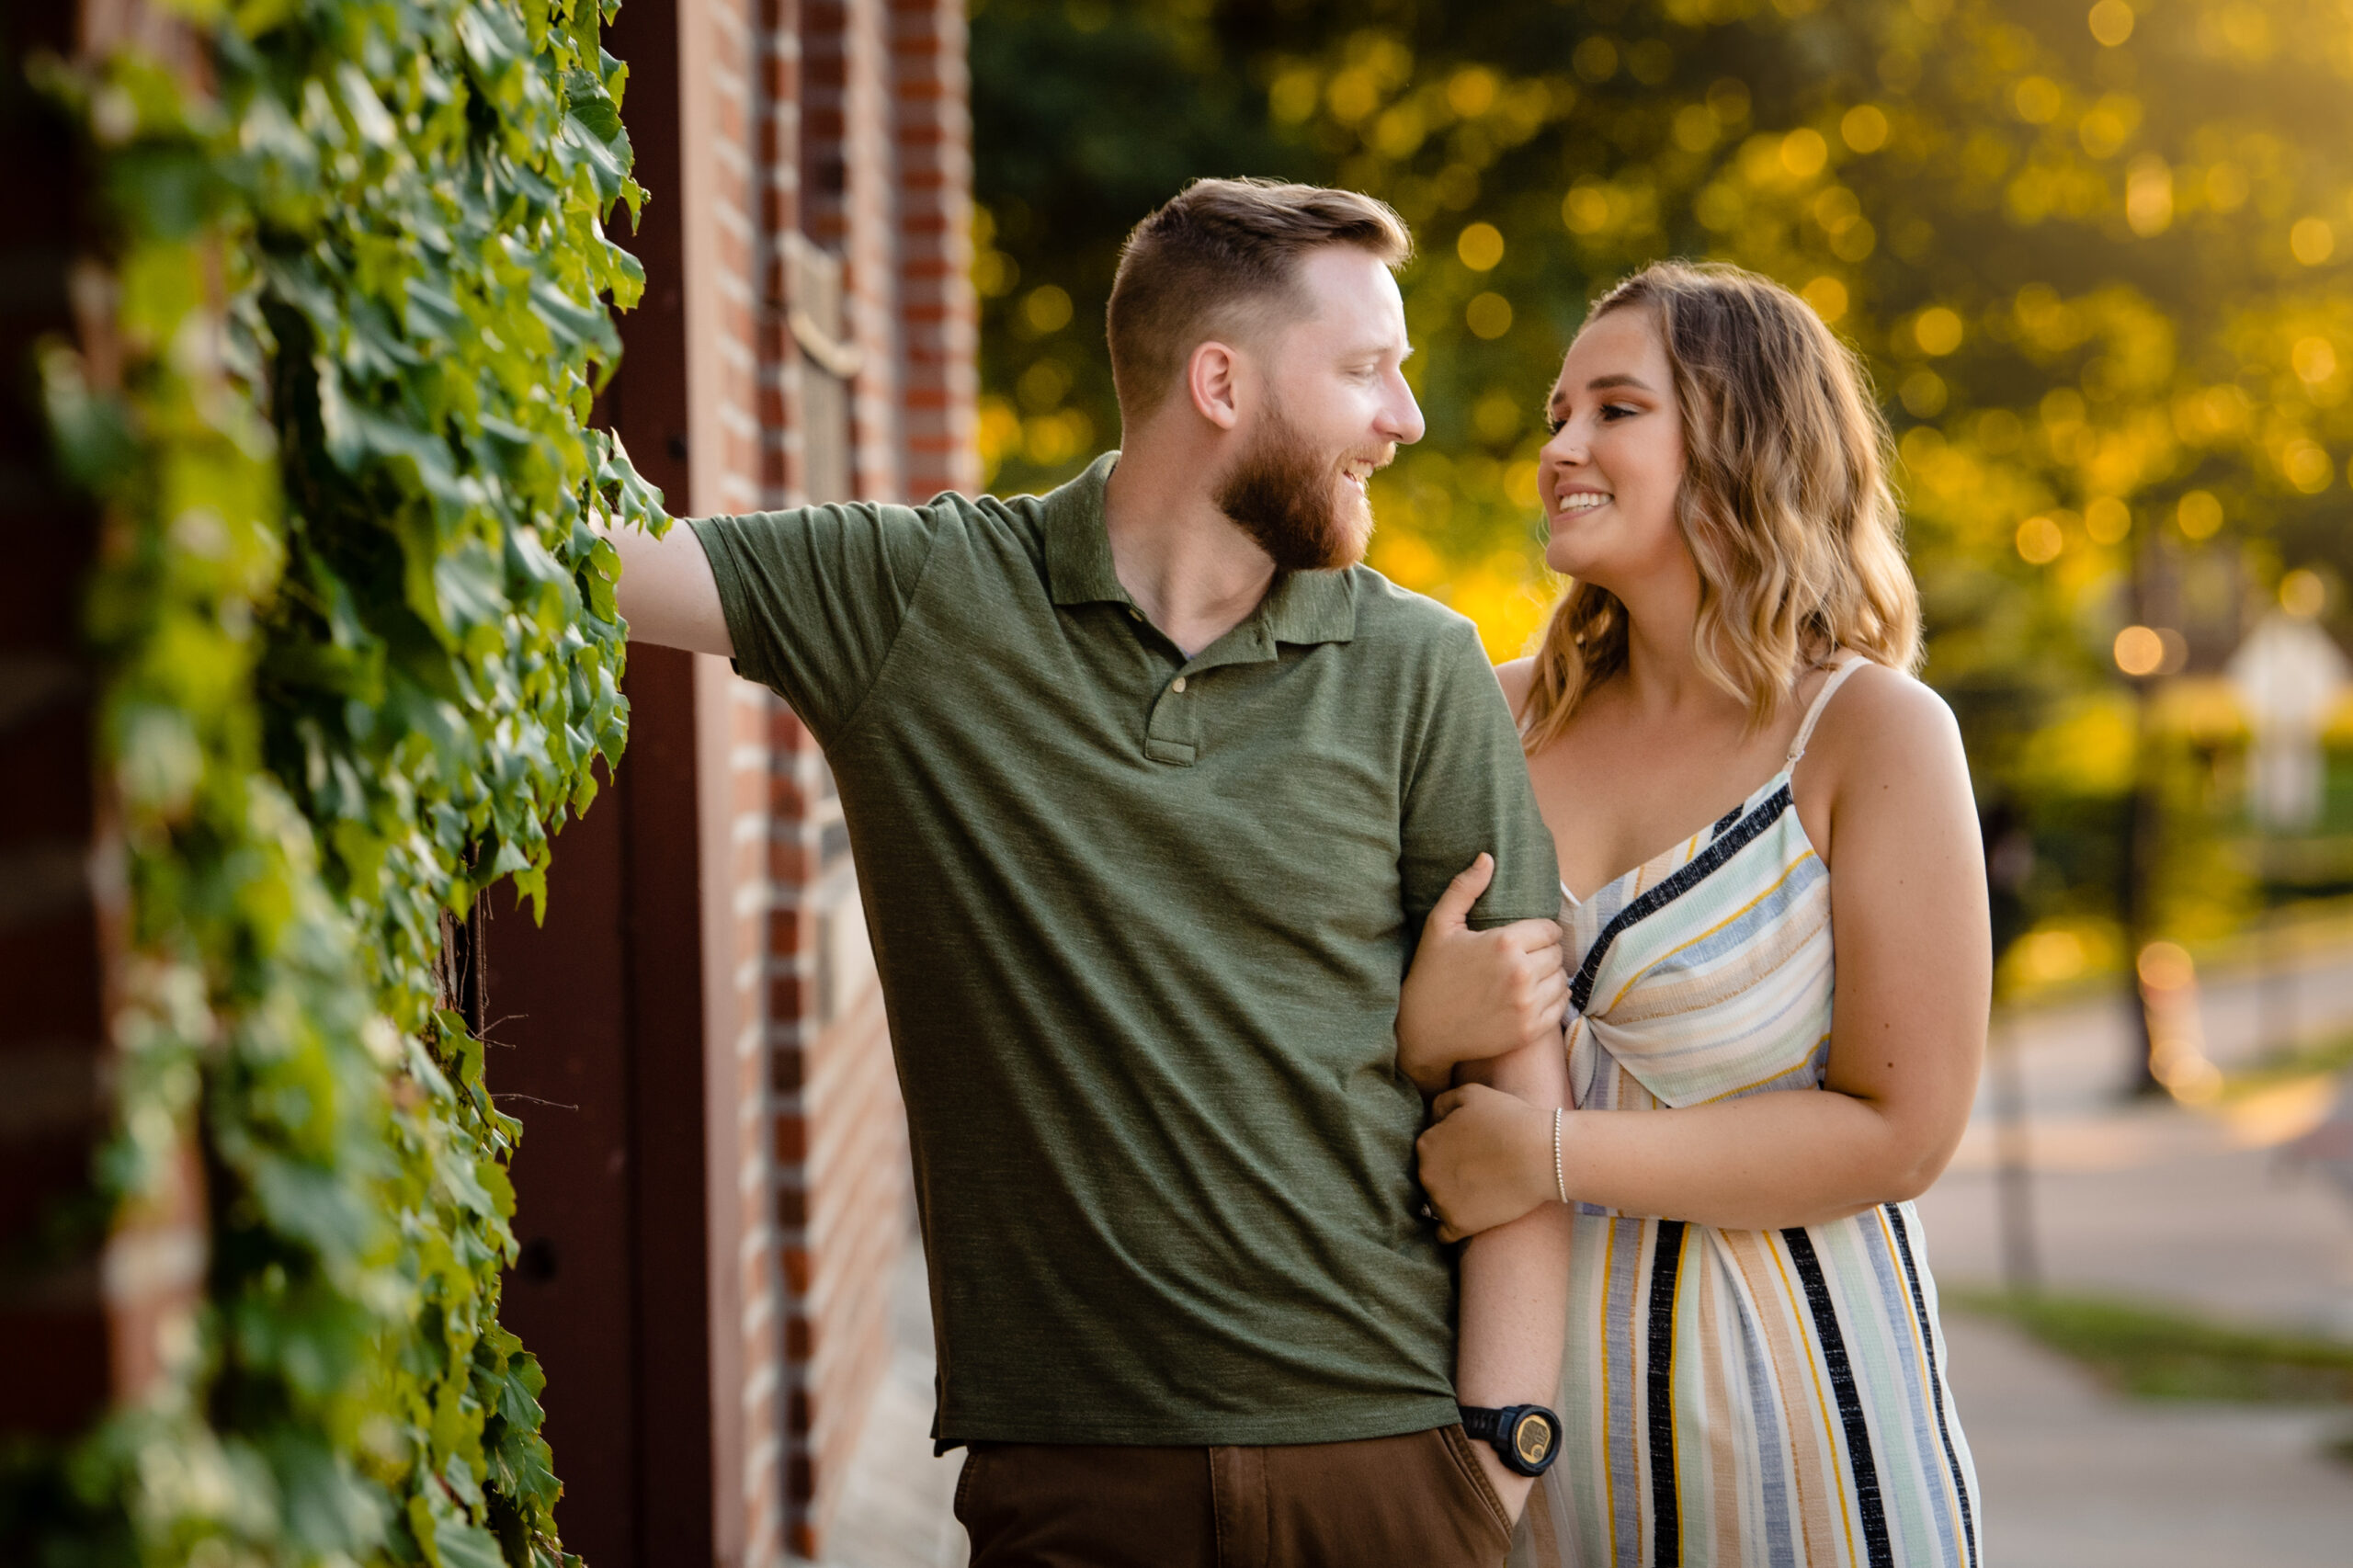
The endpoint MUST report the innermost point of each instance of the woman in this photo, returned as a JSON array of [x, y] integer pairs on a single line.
[[1754, 1371]]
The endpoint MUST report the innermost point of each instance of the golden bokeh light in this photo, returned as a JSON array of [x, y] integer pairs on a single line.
[[1803, 152], [1471, 91], [1827, 296], [1923, 395], [2139, 651], [2038, 100], [2199, 515], [1864, 128], [2303, 594], [1586, 210], [2306, 463], [2107, 519], [1937, 330], [2315, 359], [2148, 196], [1488, 314], [1481, 247], [2040, 541], [2049, 957], [2165, 966], [2111, 22], [1047, 309]]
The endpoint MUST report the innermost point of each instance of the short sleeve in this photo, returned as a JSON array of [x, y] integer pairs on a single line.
[[814, 599], [1468, 791]]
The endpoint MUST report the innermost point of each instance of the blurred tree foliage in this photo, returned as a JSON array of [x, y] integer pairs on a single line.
[[2095, 255]]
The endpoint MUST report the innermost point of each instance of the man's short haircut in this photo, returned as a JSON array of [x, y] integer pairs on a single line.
[[1222, 260]]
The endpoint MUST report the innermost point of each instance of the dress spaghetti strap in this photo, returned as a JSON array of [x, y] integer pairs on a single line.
[[1848, 662]]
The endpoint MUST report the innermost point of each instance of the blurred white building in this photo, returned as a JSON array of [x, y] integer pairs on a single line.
[[2288, 674]]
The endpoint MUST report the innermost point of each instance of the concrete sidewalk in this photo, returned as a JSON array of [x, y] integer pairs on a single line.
[[2072, 1477], [895, 1508], [2147, 1200], [2203, 1208]]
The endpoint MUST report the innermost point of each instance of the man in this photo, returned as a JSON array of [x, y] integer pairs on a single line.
[[1151, 789]]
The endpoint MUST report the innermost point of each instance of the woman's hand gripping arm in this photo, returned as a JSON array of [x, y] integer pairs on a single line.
[[1472, 996]]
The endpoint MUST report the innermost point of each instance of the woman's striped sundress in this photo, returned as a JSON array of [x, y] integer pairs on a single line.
[[1767, 1398]]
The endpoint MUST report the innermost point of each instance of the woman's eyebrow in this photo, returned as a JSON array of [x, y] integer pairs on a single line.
[[1599, 383]]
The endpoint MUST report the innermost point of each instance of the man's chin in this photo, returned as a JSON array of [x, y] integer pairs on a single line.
[[1352, 545], [1354, 534]]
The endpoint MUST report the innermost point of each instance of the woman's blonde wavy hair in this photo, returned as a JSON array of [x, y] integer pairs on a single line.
[[1785, 503]]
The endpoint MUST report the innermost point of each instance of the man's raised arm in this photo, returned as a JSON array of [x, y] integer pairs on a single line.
[[806, 601], [666, 592]]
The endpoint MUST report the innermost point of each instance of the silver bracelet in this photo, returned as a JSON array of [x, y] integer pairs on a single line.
[[1559, 1176]]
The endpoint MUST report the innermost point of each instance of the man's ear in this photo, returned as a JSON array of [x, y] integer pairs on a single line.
[[1211, 380]]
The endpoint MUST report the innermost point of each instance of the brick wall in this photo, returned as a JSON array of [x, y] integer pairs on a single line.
[[84, 1317], [840, 126], [939, 317], [885, 181]]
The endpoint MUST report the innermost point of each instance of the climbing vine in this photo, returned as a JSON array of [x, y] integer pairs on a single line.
[[360, 659]]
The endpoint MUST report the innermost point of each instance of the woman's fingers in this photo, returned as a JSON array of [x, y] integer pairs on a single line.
[[1452, 910], [1534, 937], [1470, 994], [1471, 1159], [1549, 999], [1464, 1096]]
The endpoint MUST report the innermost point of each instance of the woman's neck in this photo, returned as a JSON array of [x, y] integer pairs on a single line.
[[1664, 679]]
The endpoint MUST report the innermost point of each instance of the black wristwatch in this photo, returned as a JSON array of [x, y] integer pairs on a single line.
[[1527, 1436]]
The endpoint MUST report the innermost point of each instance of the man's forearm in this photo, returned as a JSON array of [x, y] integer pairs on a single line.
[[1515, 1311], [1515, 1282]]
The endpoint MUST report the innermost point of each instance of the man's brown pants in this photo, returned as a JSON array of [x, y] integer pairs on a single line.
[[1416, 1501]]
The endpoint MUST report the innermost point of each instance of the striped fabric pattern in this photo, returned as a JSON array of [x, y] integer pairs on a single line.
[[1737, 1397]]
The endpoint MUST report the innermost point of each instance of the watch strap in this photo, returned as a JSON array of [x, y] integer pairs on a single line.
[[1480, 1422], [1505, 1431]]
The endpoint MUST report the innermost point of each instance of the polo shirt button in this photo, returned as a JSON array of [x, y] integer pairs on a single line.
[[1177, 685], [1134, 614]]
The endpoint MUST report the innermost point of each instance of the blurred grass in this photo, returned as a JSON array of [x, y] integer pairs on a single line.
[[2272, 1069], [2163, 1353]]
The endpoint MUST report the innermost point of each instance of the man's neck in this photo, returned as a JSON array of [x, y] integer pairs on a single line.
[[1188, 568]]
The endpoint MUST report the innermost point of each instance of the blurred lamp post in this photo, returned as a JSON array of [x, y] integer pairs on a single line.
[[2009, 867], [2290, 675], [2142, 653]]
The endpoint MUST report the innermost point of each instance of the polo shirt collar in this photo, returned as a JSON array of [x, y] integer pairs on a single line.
[[1078, 553], [1302, 607]]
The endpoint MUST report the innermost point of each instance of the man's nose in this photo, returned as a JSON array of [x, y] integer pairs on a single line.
[[1401, 417]]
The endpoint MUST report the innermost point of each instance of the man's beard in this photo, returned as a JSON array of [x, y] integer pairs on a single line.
[[1285, 496]]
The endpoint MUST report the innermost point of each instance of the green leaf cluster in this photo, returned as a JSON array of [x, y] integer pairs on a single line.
[[2095, 255], [361, 659]]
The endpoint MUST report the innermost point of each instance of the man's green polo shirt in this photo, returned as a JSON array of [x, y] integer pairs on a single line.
[[1141, 921]]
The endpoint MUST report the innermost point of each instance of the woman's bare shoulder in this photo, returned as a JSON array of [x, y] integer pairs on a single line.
[[1882, 722], [1518, 677]]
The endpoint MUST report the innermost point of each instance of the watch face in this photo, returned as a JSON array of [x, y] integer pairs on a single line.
[[1531, 1438]]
